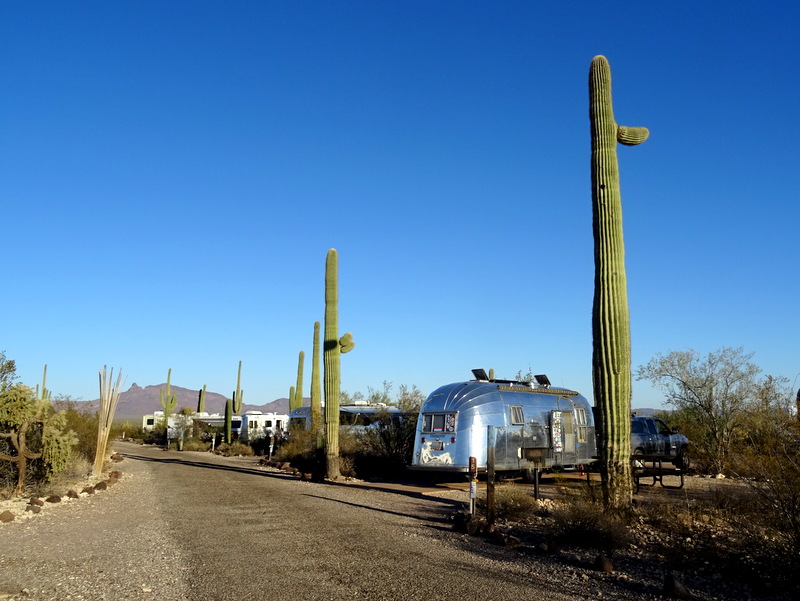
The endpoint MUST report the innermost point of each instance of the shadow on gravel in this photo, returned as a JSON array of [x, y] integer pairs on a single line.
[[423, 518], [391, 487], [211, 466]]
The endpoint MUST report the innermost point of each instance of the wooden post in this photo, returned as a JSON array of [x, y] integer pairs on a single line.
[[491, 437]]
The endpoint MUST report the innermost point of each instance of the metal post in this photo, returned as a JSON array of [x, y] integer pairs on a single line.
[[473, 484], [490, 442], [536, 475]]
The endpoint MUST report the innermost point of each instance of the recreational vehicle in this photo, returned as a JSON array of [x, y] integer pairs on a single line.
[[358, 416], [534, 426]]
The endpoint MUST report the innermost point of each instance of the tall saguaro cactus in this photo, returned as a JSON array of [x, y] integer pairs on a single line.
[[611, 357], [333, 347]]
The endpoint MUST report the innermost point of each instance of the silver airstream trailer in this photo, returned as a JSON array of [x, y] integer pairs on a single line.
[[535, 426]]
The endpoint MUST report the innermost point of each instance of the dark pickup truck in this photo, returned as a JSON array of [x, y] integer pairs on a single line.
[[651, 436]]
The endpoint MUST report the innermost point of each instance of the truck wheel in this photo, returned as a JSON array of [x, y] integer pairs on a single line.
[[638, 462], [682, 461]]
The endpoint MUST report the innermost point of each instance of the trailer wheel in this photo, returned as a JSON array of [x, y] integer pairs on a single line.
[[529, 475]]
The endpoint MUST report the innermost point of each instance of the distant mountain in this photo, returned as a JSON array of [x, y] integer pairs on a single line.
[[137, 402]]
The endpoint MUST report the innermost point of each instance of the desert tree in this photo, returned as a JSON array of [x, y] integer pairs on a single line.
[[713, 396]]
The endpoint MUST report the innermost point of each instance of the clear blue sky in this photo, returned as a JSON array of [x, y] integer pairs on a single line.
[[173, 174]]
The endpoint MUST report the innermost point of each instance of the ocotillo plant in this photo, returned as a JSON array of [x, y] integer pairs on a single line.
[[297, 400], [332, 349], [238, 394], [201, 401], [611, 357], [109, 397], [168, 400]]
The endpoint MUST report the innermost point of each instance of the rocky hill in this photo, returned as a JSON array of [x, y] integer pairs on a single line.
[[137, 401]]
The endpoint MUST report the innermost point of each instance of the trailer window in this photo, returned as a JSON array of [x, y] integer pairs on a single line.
[[580, 423], [439, 422], [517, 417]]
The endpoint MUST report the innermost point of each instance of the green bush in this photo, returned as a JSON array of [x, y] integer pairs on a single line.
[[235, 449], [192, 444]]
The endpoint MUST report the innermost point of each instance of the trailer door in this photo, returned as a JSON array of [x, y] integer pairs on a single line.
[[569, 432]]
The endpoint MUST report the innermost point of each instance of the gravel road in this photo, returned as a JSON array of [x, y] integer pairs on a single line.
[[194, 526]]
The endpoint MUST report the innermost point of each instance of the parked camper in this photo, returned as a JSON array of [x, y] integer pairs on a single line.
[[535, 426], [357, 416]]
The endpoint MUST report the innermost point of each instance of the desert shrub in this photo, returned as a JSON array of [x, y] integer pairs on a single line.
[[83, 423], [300, 450], [386, 447], [584, 522], [511, 504], [192, 444], [235, 449]]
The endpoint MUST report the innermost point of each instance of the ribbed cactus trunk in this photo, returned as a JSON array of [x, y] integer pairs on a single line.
[[331, 362], [317, 430], [332, 349], [611, 357], [316, 386]]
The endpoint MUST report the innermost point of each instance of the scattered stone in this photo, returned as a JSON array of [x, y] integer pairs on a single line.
[[72, 494], [89, 490], [35, 501], [33, 508], [674, 588], [100, 486], [116, 457], [6, 517], [603, 564], [53, 499], [512, 542], [110, 481], [115, 475]]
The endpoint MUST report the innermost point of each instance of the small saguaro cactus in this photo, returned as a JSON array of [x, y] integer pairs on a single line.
[[168, 400], [44, 394], [333, 347], [611, 357], [297, 400], [201, 401], [228, 421], [238, 394], [316, 386]]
